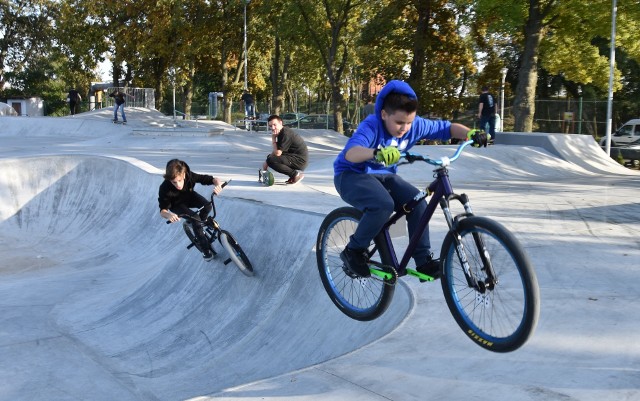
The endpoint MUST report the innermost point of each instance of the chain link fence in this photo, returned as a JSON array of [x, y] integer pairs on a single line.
[[571, 116]]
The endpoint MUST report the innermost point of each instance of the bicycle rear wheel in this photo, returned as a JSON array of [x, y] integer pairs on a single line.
[[499, 314], [359, 298], [236, 254]]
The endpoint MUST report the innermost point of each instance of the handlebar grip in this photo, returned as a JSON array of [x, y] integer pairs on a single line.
[[224, 184], [410, 157]]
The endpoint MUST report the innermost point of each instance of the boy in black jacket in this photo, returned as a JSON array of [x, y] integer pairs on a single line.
[[176, 196]]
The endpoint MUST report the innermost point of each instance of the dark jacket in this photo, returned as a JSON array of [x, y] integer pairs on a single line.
[[290, 143], [74, 96], [118, 96], [169, 196]]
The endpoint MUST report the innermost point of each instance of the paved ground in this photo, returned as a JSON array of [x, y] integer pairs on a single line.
[[100, 300]]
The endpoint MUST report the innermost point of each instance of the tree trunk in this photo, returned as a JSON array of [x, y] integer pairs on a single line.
[[116, 74], [336, 99], [335, 78], [188, 90], [420, 43], [158, 73], [524, 106], [279, 78], [276, 84], [160, 91], [226, 100]]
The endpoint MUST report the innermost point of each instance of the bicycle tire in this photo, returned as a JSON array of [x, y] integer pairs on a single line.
[[502, 318], [235, 252], [360, 298], [188, 229]]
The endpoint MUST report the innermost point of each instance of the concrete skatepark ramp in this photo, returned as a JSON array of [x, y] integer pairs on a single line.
[[92, 272], [100, 300]]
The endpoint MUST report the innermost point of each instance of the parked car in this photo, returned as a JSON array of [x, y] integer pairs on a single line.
[[253, 124], [629, 152], [628, 133], [320, 121], [291, 117]]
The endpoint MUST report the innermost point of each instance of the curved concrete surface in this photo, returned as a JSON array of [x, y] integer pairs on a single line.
[[139, 312], [99, 299]]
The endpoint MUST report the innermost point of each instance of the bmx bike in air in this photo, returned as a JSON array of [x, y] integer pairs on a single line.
[[488, 281]]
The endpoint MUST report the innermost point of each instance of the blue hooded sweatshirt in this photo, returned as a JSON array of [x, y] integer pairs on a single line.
[[371, 133]]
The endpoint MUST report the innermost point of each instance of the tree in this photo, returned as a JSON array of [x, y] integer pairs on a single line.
[[331, 26], [423, 35], [26, 29], [553, 35]]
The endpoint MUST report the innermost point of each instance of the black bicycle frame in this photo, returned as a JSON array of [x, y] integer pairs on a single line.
[[441, 189], [442, 192]]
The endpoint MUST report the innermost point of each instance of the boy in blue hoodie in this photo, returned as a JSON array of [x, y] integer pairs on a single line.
[[365, 172]]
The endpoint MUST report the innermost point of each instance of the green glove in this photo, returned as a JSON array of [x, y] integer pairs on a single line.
[[479, 137], [389, 155]]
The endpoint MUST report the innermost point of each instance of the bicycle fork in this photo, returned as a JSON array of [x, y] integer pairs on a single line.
[[472, 281]]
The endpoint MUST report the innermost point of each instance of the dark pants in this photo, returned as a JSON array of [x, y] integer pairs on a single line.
[[73, 107], [249, 110], [194, 200], [378, 195], [491, 120], [287, 164]]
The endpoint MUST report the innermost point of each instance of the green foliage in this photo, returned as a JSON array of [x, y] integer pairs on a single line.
[[324, 51], [25, 32]]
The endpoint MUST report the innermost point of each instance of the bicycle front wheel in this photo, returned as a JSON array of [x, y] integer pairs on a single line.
[[498, 303], [235, 252], [188, 229], [359, 298]]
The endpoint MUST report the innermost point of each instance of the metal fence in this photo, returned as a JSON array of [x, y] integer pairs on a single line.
[[572, 116], [575, 116], [140, 97]]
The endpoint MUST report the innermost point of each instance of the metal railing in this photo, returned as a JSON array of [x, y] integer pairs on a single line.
[[138, 97]]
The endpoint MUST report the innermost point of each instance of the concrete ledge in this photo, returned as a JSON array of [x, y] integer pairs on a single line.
[[537, 139], [177, 131]]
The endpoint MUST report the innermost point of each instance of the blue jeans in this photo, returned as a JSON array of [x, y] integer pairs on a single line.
[[491, 120], [378, 195], [249, 110], [115, 112]]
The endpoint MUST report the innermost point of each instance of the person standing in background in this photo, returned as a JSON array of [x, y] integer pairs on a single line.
[[74, 100], [368, 108], [119, 98], [249, 105], [487, 111]]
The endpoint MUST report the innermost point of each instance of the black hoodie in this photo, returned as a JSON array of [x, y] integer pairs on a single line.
[[169, 196]]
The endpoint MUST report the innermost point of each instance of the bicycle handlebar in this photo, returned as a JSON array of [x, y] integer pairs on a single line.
[[186, 216], [224, 184], [443, 161]]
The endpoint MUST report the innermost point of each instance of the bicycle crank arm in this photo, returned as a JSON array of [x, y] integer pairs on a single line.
[[386, 274], [421, 276]]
